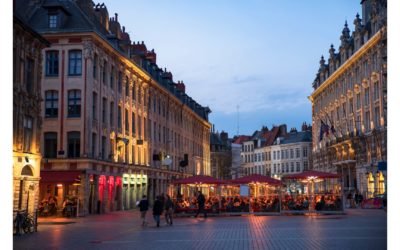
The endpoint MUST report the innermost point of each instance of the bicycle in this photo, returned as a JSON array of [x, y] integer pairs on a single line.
[[23, 220]]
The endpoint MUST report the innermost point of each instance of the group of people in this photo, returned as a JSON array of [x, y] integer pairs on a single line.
[[164, 203], [161, 203], [354, 199], [48, 206]]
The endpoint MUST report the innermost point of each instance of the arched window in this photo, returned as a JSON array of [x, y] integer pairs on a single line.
[[27, 170]]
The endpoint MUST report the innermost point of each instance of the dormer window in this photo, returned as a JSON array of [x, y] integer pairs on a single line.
[[53, 20]]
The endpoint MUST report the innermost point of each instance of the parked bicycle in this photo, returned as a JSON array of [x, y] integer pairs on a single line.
[[23, 221]]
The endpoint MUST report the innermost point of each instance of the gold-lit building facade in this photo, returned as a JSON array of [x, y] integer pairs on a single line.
[[116, 126], [27, 121], [349, 105]]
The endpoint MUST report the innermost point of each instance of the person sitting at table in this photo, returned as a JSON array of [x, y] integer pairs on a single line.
[[320, 204], [306, 203]]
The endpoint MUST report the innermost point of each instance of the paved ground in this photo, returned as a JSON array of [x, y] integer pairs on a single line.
[[358, 229]]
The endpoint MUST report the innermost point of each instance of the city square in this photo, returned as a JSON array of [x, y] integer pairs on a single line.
[[357, 229], [270, 117]]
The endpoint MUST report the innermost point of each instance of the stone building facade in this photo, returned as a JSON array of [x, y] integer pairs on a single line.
[[27, 121], [291, 153], [221, 155], [116, 126], [256, 150], [349, 104]]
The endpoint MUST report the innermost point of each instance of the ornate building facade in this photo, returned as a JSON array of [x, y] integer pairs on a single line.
[[27, 121], [349, 104], [116, 126]]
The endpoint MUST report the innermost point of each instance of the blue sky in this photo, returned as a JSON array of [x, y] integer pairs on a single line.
[[255, 57]]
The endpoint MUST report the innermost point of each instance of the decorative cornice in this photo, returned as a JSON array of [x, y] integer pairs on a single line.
[[347, 64]]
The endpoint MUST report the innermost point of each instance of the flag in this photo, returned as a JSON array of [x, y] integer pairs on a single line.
[[333, 130], [324, 129]]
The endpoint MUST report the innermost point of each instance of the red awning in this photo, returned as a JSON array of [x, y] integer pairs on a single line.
[[256, 178], [199, 179], [311, 174], [59, 176]]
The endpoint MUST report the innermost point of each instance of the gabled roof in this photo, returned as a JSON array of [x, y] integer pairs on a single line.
[[270, 136], [241, 139]]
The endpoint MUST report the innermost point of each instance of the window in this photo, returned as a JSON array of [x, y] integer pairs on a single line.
[[119, 82], [94, 136], [126, 122], [95, 60], [104, 72], [103, 147], [337, 113], [358, 122], [297, 152], [367, 121], [119, 118], [104, 110], [305, 165], [292, 167], [94, 106], [53, 18], [112, 77], [376, 90], [111, 113], [126, 87], [305, 152], [358, 101], [298, 166], [74, 103], [28, 133], [50, 145], [145, 128], [51, 103], [51, 63], [29, 76], [274, 153], [377, 117], [366, 97], [344, 109], [351, 105], [133, 124], [75, 63], [291, 153], [74, 144]]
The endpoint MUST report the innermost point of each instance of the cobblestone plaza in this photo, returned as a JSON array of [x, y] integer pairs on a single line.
[[357, 229]]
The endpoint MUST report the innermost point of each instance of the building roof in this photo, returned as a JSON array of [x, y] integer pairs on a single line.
[[295, 137], [241, 138]]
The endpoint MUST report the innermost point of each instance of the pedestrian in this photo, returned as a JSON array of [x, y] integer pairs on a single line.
[[143, 206], [200, 203], [169, 210], [157, 210]]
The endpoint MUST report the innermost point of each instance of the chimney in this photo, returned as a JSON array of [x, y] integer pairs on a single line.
[[116, 17]]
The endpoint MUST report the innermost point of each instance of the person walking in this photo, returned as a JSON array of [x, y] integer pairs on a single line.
[[200, 203], [169, 210], [143, 206], [157, 210]]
